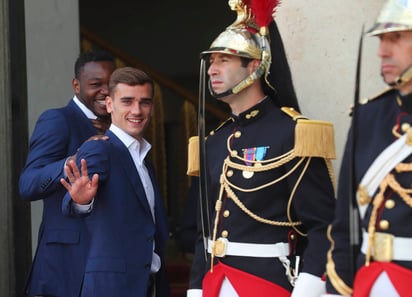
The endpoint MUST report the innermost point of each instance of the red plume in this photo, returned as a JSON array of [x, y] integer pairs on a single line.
[[262, 9], [246, 2]]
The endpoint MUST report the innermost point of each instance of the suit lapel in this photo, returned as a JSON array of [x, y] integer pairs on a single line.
[[75, 114], [126, 161], [160, 213]]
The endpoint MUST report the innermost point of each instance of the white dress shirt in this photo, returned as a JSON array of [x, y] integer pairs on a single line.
[[89, 114], [138, 151]]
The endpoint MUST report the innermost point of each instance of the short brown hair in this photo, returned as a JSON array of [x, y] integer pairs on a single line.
[[130, 76]]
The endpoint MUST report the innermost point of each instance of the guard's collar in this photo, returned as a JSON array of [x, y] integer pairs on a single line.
[[253, 113], [405, 102]]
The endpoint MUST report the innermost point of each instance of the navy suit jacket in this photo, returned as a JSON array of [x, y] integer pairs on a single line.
[[121, 225], [62, 247]]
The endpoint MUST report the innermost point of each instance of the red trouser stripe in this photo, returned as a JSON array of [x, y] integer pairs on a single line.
[[366, 276], [245, 284]]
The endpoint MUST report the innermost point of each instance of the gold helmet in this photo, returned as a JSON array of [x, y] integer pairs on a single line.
[[237, 41], [247, 37], [396, 15]]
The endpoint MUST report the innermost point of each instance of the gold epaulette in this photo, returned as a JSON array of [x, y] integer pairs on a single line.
[[193, 159], [293, 113], [312, 138], [221, 125], [364, 101]]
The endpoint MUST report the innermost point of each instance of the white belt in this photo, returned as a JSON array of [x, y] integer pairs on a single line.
[[225, 247], [388, 247]]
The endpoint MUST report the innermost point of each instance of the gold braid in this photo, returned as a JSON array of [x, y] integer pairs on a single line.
[[377, 201], [262, 168], [273, 163], [403, 193], [388, 181], [232, 195]]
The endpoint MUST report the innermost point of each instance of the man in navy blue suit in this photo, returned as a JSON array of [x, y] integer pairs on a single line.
[[125, 215], [63, 242]]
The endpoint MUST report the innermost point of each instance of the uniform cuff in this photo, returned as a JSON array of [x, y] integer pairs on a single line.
[[309, 285], [194, 293]]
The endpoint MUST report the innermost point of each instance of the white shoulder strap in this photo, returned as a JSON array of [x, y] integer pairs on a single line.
[[383, 164]]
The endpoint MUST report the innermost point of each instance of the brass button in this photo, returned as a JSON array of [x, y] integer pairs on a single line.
[[405, 127], [238, 134], [389, 204], [229, 173], [212, 133], [225, 233], [226, 213], [233, 153], [362, 101], [384, 225]]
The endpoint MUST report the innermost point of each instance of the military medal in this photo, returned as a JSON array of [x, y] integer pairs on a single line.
[[253, 154]]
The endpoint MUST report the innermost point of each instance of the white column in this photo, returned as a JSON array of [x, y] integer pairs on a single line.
[[321, 39], [53, 44]]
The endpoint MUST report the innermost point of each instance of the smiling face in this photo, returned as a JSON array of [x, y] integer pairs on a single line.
[[92, 85], [131, 108], [395, 51]]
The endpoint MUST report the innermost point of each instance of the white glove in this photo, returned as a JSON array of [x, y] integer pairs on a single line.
[[309, 285], [194, 293]]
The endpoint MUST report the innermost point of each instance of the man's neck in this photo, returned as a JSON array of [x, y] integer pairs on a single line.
[[406, 89], [245, 100]]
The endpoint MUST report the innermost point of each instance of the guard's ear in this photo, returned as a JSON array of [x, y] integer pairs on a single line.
[[254, 64]]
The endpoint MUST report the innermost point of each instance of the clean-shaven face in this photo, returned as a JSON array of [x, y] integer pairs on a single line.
[[395, 51], [131, 108], [225, 72]]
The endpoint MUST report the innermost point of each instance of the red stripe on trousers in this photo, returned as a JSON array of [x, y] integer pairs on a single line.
[[400, 277], [245, 284]]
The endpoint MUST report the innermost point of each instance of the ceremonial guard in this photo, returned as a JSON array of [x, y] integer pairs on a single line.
[[265, 173], [373, 257]]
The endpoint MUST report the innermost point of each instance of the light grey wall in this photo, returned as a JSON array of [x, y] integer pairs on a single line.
[[52, 42], [321, 39]]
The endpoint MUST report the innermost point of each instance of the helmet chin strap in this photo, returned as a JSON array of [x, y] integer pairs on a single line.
[[405, 77], [221, 95]]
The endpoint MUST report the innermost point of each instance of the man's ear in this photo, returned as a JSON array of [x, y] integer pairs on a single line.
[[109, 102], [76, 85], [254, 64]]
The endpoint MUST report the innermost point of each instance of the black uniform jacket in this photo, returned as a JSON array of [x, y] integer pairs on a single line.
[[265, 125], [375, 121]]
